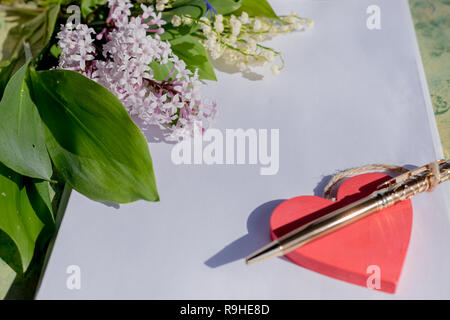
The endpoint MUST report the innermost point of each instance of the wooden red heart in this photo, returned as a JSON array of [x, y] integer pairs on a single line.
[[372, 247]]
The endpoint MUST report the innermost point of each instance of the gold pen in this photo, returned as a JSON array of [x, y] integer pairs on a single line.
[[387, 194]]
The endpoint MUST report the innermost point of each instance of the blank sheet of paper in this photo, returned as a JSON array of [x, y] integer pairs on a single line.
[[349, 96]]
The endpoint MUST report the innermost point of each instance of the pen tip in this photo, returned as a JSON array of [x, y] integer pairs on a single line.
[[273, 249]]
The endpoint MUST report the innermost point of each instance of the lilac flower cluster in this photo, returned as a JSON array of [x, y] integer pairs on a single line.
[[122, 66], [77, 49]]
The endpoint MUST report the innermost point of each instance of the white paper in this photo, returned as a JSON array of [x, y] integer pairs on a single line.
[[349, 96]]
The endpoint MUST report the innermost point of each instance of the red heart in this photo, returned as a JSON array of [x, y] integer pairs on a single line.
[[354, 252]]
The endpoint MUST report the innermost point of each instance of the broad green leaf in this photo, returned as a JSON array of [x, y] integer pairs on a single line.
[[22, 138], [36, 30], [91, 138], [87, 6], [257, 8], [194, 55], [18, 219]]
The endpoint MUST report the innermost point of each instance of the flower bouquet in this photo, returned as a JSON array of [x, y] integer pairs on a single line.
[[78, 76]]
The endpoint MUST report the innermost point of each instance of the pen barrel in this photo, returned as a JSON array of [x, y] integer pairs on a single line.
[[389, 193], [330, 222], [357, 210]]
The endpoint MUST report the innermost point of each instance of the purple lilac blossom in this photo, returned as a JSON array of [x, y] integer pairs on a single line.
[[131, 45]]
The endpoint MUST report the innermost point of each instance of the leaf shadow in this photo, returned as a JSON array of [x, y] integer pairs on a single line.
[[153, 133], [221, 65]]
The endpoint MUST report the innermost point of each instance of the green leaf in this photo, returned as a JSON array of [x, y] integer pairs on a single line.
[[171, 32], [6, 71], [88, 6], [36, 30], [181, 3], [162, 71], [227, 6], [257, 8], [193, 8], [55, 51], [91, 138], [194, 55], [39, 194], [18, 219], [197, 8], [22, 138]]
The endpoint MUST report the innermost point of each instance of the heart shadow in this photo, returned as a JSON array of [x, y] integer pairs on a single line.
[[258, 226]]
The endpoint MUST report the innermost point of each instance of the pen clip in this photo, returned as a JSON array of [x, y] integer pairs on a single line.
[[407, 175]]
